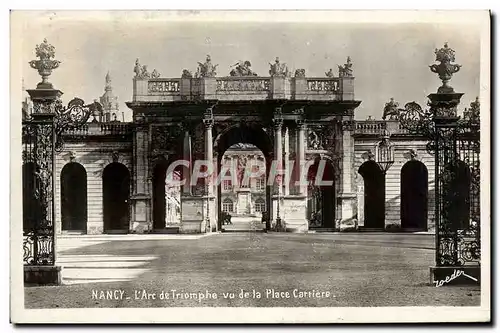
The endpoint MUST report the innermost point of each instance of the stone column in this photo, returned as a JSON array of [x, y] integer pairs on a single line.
[[278, 149], [186, 189], [208, 122], [300, 157], [278, 165], [140, 197], [348, 196], [209, 154], [286, 156]]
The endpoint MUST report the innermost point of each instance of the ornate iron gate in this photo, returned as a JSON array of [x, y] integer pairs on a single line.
[[42, 135], [455, 144], [38, 190]]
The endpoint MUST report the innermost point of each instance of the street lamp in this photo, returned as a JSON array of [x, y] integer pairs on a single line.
[[384, 154]]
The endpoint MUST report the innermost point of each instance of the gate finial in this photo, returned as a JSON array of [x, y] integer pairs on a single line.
[[45, 64]]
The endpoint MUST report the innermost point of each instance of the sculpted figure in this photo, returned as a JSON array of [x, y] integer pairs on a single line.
[[330, 73], [155, 74], [144, 72], [186, 74], [300, 72], [207, 69], [391, 110], [278, 69], [346, 69], [242, 69], [137, 68]]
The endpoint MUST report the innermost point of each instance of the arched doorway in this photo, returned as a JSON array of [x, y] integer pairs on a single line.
[[374, 195], [321, 196], [116, 192], [166, 197], [457, 196], [240, 140], [414, 190], [31, 205], [74, 197]]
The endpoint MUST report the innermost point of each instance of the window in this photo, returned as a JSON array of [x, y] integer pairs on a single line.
[[260, 205], [227, 185], [260, 184], [227, 205]]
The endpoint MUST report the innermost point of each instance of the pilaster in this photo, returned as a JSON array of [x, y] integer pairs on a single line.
[[140, 199], [347, 196]]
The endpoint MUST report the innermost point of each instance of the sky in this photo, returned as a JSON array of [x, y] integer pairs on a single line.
[[389, 60]]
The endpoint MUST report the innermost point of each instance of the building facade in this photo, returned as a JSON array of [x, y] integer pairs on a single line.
[[115, 177]]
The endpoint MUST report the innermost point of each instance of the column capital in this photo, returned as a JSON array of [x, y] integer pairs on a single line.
[[277, 123], [208, 123], [301, 124], [348, 125]]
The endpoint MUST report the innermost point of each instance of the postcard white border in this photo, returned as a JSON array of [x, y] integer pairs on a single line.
[[260, 315]]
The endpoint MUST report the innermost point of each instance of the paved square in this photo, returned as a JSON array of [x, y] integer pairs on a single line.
[[346, 269]]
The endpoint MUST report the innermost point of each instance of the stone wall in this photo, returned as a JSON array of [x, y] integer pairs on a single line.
[[402, 147], [94, 157]]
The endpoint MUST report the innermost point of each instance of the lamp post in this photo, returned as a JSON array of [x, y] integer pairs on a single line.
[[384, 154]]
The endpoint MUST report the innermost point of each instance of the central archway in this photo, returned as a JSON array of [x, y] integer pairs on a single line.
[[250, 136], [374, 182]]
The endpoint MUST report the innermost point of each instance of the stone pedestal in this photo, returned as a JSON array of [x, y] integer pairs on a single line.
[[293, 211], [140, 205], [280, 87], [192, 209], [347, 88], [243, 203], [207, 87], [42, 275], [348, 203], [194, 214]]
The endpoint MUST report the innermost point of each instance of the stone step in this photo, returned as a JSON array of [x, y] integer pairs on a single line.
[[363, 229], [92, 268]]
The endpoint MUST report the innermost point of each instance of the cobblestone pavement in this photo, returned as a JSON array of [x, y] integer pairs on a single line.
[[272, 269]]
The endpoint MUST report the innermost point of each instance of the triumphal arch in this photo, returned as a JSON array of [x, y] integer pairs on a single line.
[[290, 117]]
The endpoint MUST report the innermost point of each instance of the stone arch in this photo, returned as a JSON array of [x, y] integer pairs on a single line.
[[116, 195], [74, 197], [414, 195], [321, 194], [243, 133], [374, 194], [166, 198]]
